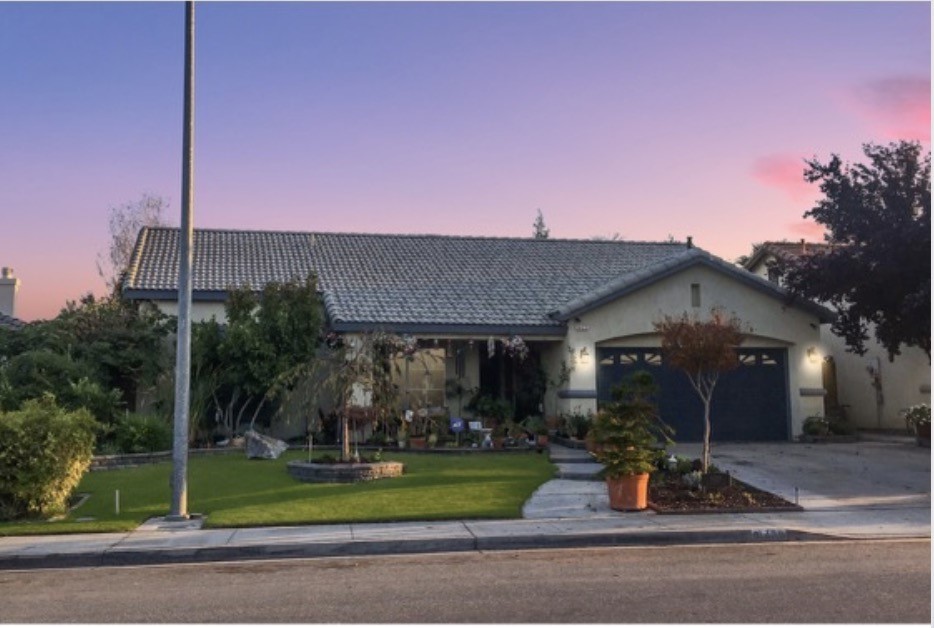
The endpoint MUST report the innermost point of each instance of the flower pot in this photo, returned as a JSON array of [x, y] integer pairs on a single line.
[[542, 440], [417, 442], [629, 492]]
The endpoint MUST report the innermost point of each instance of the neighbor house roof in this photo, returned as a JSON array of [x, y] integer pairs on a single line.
[[783, 249], [415, 283], [9, 322]]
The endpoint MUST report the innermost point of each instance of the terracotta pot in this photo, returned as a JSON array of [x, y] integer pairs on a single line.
[[417, 442], [629, 492], [542, 440]]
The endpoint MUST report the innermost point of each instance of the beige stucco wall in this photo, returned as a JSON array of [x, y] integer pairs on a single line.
[[629, 321], [905, 382]]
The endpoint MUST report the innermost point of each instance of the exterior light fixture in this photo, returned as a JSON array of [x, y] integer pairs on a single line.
[[813, 355], [584, 355]]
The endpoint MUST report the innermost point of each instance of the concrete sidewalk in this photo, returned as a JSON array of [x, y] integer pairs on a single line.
[[562, 513]]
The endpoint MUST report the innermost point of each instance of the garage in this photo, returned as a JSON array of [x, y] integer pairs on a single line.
[[750, 403]]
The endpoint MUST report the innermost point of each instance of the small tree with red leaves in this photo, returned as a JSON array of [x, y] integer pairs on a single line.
[[703, 349]]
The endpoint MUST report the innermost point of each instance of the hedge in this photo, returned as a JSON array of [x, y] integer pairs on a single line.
[[44, 451]]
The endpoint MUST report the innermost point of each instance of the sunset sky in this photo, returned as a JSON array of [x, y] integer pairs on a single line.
[[642, 119]]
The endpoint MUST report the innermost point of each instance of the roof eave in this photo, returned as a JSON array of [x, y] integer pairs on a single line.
[[452, 329]]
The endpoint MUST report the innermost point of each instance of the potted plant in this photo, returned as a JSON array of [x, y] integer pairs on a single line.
[[537, 426], [626, 434], [918, 420], [499, 436]]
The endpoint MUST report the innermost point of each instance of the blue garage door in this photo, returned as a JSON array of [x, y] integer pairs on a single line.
[[750, 403]]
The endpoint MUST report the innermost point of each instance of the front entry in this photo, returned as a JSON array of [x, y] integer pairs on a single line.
[[750, 403]]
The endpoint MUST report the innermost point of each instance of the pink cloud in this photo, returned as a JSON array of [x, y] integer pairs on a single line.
[[785, 172], [897, 107]]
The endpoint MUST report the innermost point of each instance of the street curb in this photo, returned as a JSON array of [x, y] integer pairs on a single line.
[[121, 558]]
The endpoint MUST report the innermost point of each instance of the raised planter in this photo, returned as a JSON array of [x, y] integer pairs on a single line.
[[344, 472]]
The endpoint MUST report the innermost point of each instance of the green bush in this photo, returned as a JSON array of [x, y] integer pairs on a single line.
[[626, 433], [141, 433], [576, 424], [44, 451], [816, 426]]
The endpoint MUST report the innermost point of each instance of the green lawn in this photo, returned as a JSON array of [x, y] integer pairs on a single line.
[[235, 492]]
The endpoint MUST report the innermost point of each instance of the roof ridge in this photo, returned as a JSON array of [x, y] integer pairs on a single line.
[[421, 235]]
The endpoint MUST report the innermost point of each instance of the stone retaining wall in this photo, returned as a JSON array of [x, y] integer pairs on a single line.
[[128, 461], [344, 472]]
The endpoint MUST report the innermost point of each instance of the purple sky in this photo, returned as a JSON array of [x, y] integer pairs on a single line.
[[643, 119]]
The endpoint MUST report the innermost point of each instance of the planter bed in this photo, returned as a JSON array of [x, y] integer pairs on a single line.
[[344, 472], [670, 497]]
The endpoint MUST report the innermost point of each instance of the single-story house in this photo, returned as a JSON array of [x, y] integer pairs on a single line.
[[873, 391], [583, 308]]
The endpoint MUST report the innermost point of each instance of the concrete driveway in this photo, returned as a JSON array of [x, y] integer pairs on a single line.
[[870, 474]]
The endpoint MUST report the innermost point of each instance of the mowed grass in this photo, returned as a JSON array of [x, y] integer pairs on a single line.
[[235, 492]]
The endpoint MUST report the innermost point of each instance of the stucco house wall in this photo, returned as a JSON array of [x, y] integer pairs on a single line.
[[905, 382], [629, 322], [201, 311]]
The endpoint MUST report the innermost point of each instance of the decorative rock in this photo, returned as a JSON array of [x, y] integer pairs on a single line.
[[260, 446]]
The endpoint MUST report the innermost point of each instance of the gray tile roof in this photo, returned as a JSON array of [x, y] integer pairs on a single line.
[[8, 322], [413, 282]]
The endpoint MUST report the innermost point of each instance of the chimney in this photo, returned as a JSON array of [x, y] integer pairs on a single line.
[[690, 242], [9, 285]]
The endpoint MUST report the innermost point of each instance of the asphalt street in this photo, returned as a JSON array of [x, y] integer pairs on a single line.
[[851, 582]]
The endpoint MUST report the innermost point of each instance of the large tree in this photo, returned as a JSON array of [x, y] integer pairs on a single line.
[[125, 222], [541, 231], [703, 349], [877, 274]]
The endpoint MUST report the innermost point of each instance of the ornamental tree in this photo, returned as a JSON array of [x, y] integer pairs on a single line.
[[878, 273], [270, 338], [703, 349]]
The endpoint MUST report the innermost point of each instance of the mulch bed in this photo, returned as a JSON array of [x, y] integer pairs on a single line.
[[669, 496]]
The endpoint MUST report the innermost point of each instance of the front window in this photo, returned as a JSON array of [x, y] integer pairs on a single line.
[[420, 379]]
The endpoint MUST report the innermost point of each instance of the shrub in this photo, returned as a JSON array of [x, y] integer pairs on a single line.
[[626, 433], [44, 451], [577, 424], [141, 433], [816, 426]]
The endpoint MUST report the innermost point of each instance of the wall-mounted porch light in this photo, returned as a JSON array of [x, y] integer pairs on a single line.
[[813, 355], [584, 355]]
